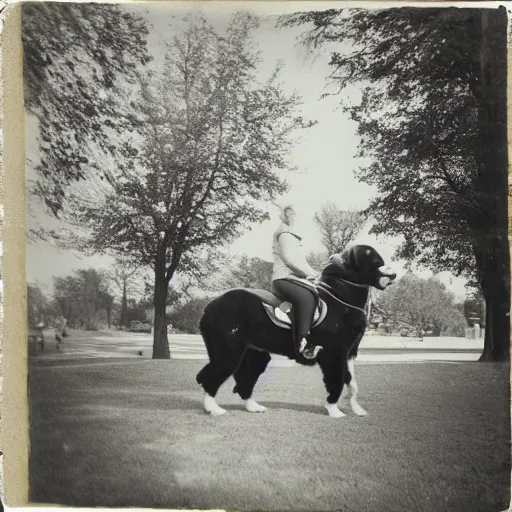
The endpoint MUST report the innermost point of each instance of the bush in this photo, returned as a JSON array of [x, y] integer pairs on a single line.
[[186, 317], [456, 325]]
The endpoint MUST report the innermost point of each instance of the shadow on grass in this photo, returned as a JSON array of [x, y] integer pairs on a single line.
[[438, 439]]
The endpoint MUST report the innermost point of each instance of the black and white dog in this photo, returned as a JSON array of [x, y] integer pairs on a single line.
[[242, 327]]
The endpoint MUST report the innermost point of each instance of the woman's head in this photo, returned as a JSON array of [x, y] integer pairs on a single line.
[[288, 215]]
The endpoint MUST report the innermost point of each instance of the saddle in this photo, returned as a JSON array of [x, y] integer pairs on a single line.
[[280, 311]]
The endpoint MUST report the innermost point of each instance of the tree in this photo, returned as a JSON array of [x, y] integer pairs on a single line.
[[432, 119], [249, 272], [424, 304], [82, 296], [107, 302], [213, 139], [37, 303], [124, 277], [186, 316], [338, 227], [318, 260], [474, 309], [137, 311], [78, 57]]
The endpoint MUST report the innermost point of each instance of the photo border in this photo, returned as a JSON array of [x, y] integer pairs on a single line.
[[14, 433]]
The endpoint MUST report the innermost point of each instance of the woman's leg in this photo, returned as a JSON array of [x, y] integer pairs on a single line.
[[304, 303]]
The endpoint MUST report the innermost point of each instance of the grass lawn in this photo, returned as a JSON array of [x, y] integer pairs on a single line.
[[132, 433]]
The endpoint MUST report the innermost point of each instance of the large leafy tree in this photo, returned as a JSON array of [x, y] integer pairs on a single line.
[[78, 59], [432, 121], [212, 141], [424, 304]]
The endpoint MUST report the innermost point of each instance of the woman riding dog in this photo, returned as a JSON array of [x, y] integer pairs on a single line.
[[291, 281]]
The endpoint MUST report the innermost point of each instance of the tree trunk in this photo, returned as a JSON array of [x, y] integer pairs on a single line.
[[497, 325], [492, 259], [124, 307], [491, 229], [160, 341], [109, 315]]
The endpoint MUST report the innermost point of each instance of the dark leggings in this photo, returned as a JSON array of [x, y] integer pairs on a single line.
[[304, 303]]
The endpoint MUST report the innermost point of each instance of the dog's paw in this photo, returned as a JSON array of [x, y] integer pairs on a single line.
[[212, 407], [218, 411], [334, 411], [357, 409], [253, 406]]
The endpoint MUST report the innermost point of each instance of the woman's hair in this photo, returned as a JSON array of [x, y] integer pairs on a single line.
[[284, 210]]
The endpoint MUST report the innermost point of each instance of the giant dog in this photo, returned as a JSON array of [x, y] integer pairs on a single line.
[[242, 327]]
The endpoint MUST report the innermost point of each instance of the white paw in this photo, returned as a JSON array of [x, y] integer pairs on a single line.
[[334, 411], [253, 406], [212, 407], [218, 411], [357, 409]]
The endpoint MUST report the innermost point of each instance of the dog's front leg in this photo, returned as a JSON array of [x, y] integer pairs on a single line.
[[353, 389], [333, 370]]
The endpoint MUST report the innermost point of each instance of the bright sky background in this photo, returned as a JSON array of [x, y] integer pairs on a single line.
[[324, 156]]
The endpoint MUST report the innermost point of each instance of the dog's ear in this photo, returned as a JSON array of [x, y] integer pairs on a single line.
[[351, 257]]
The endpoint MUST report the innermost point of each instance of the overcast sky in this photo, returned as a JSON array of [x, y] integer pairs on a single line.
[[324, 156]]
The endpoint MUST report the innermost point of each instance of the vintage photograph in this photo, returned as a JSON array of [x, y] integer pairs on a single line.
[[267, 256]]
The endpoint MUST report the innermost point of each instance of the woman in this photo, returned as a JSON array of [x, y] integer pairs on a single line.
[[291, 278]]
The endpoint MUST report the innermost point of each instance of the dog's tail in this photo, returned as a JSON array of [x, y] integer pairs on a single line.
[[208, 327]]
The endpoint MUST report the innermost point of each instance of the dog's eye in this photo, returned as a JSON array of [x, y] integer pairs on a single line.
[[368, 252]]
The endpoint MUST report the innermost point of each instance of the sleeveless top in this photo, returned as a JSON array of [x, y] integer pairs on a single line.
[[295, 255]]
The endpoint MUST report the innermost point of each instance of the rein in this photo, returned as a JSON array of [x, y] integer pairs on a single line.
[[357, 285], [326, 288]]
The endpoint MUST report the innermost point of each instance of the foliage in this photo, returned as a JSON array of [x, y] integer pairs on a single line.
[[249, 272], [338, 228], [456, 325], [213, 139], [474, 307], [39, 306], [418, 120], [318, 260], [186, 317], [126, 276], [83, 298], [137, 311], [432, 120], [78, 57], [424, 304]]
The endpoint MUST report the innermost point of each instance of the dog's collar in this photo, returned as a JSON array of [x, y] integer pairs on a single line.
[[326, 288]]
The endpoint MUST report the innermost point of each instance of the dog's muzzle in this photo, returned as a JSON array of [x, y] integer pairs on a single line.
[[387, 276]]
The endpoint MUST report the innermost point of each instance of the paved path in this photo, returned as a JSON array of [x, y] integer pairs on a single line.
[[385, 349]]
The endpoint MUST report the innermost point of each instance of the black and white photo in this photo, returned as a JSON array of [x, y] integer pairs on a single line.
[[267, 255]]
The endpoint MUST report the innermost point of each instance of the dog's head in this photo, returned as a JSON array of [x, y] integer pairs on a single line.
[[364, 265]]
